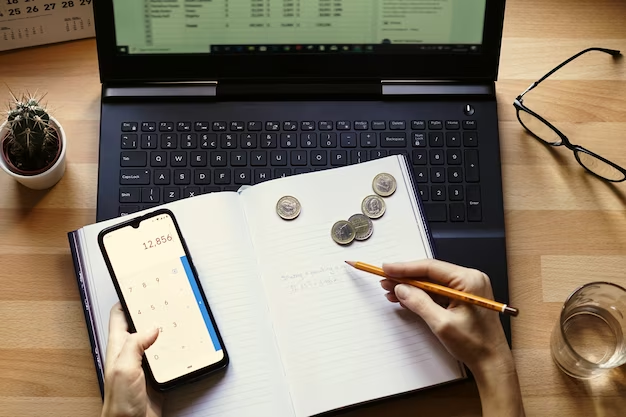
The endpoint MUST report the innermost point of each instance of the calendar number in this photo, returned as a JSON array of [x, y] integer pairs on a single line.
[[67, 4], [10, 2], [85, 2], [33, 9], [49, 6], [15, 12]]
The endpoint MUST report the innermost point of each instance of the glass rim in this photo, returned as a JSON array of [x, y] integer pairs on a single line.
[[579, 149], [569, 297], [564, 140]]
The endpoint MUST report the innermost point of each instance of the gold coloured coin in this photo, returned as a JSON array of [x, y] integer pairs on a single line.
[[384, 184], [363, 226], [288, 208], [343, 232], [373, 206]]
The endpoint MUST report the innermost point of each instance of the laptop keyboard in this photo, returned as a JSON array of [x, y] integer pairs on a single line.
[[164, 161]]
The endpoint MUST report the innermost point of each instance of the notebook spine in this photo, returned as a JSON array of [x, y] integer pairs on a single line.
[[78, 261]]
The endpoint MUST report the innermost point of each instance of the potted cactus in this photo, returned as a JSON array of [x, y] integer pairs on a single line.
[[32, 144]]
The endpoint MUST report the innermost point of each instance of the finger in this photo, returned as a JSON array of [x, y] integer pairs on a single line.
[[392, 297], [421, 304], [118, 331], [388, 285], [134, 347], [438, 271]]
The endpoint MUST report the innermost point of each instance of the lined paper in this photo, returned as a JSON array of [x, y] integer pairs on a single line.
[[215, 232], [340, 340]]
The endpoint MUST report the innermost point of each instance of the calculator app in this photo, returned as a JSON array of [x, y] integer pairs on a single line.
[[160, 290]]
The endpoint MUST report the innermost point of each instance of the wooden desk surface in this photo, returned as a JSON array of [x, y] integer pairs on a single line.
[[564, 227]]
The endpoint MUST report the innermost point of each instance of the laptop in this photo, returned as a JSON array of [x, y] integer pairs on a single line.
[[203, 97]]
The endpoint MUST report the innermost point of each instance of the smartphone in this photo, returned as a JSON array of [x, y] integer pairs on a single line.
[[158, 286]]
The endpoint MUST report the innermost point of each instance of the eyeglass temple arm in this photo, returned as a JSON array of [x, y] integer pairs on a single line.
[[612, 52]]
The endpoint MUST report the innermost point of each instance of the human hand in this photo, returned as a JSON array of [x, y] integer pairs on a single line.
[[125, 391]]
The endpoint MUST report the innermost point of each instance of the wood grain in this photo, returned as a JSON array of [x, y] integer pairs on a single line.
[[564, 227]]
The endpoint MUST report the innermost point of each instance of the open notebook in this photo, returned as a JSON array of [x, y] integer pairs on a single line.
[[306, 334]]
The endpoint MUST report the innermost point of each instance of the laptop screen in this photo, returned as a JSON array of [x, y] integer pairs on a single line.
[[298, 26]]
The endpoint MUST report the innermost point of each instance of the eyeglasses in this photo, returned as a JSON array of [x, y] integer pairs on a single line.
[[543, 130]]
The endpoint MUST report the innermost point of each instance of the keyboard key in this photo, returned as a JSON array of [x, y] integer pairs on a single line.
[[438, 192], [150, 195], [470, 124], [130, 195], [199, 159], [183, 126], [158, 159], [249, 141], [211, 189], [470, 139], [348, 140], [202, 176], [455, 192], [435, 124], [357, 156], [325, 125], [290, 126], [418, 124], [307, 126], [288, 140], [178, 159], [368, 140], [435, 139], [221, 176], [192, 191], [453, 139], [243, 176], [361, 125], [278, 158], [148, 126], [166, 127], [255, 126], [437, 174], [393, 140], [454, 157], [237, 126], [208, 141], [379, 125], [474, 204], [217, 159], [436, 212], [453, 125], [472, 171], [457, 212], [218, 126], [126, 210], [299, 158], [308, 140], [189, 141], [344, 125], [455, 174], [161, 177], [419, 157], [228, 140], [338, 158], [378, 153], [201, 126], [129, 126], [169, 141], [269, 140], [239, 158], [134, 177], [171, 194], [328, 140], [262, 174], [282, 172], [272, 126], [423, 190], [397, 125], [258, 158], [421, 174], [182, 177], [419, 140], [149, 141], [436, 157], [129, 141], [319, 158]]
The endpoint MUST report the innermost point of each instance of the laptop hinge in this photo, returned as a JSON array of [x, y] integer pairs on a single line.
[[438, 88], [203, 89]]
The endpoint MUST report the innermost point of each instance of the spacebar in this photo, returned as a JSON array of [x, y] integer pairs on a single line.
[[436, 212]]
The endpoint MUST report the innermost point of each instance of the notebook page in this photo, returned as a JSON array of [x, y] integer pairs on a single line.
[[340, 340], [214, 229]]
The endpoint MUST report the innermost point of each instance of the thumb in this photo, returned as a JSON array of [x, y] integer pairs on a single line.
[[421, 304], [134, 347]]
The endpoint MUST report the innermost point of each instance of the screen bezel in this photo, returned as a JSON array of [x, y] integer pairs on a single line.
[[192, 376], [481, 66]]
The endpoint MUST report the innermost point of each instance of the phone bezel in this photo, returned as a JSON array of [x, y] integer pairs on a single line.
[[192, 376]]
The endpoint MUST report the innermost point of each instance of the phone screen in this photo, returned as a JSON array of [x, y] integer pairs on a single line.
[[160, 289]]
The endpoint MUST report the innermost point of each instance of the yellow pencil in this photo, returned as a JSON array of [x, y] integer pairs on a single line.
[[440, 289]]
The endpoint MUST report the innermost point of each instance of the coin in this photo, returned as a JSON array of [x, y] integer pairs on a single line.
[[362, 225], [288, 208], [384, 185], [373, 206], [343, 232]]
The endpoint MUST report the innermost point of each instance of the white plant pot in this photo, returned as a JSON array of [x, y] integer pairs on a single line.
[[46, 179]]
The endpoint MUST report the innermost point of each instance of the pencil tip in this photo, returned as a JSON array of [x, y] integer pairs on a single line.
[[351, 263]]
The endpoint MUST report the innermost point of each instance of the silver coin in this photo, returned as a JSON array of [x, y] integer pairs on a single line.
[[384, 185], [343, 232], [373, 206], [362, 225], [288, 208]]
